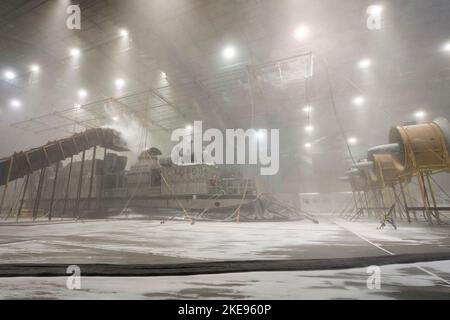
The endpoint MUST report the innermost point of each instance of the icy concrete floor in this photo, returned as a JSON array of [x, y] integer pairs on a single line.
[[151, 242], [397, 282], [177, 242]]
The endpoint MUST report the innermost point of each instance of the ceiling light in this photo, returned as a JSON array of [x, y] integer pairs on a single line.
[[189, 127], [260, 134], [124, 33], [307, 109], [309, 128], [364, 63], [447, 47], [35, 68], [301, 32], [352, 140], [229, 52], [308, 145], [75, 52], [115, 118], [82, 93], [357, 101], [9, 75], [120, 83], [375, 10], [15, 103], [420, 114], [77, 106]]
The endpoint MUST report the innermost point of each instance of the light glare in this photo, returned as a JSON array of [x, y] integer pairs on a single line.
[[9, 75], [364, 63], [82, 93], [447, 47], [307, 109], [260, 134], [229, 53], [15, 103], [309, 128], [120, 83], [352, 140], [35, 68], [420, 114], [358, 101], [375, 10], [301, 32], [75, 52]]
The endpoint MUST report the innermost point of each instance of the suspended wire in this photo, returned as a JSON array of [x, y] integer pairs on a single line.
[[333, 104]]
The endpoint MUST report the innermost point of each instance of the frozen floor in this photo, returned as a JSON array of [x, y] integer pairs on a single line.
[[397, 282], [150, 242]]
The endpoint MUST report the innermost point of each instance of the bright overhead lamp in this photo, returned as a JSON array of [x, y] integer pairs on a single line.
[[420, 114], [75, 52], [82, 93], [35, 68], [309, 128], [352, 140], [358, 101], [124, 33], [189, 128], [119, 83], [307, 109], [364, 63], [229, 52], [9, 75], [115, 118], [447, 47], [375, 10], [260, 134], [16, 103], [301, 32], [308, 145]]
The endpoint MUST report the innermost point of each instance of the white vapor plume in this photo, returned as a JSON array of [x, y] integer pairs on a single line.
[[130, 128]]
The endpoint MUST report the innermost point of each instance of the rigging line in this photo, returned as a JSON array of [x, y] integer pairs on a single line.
[[437, 194], [440, 188], [333, 104]]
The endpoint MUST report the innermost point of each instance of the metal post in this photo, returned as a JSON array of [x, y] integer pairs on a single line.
[[433, 198], [80, 185], [23, 198], [102, 183], [53, 193], [66, 196], [92, 178], [398, 203], [38, 193], [361, 203], [402, 191], [8, 176], [423, 193], [393, 201], [354, 197], [366, 201], [383, 203]]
